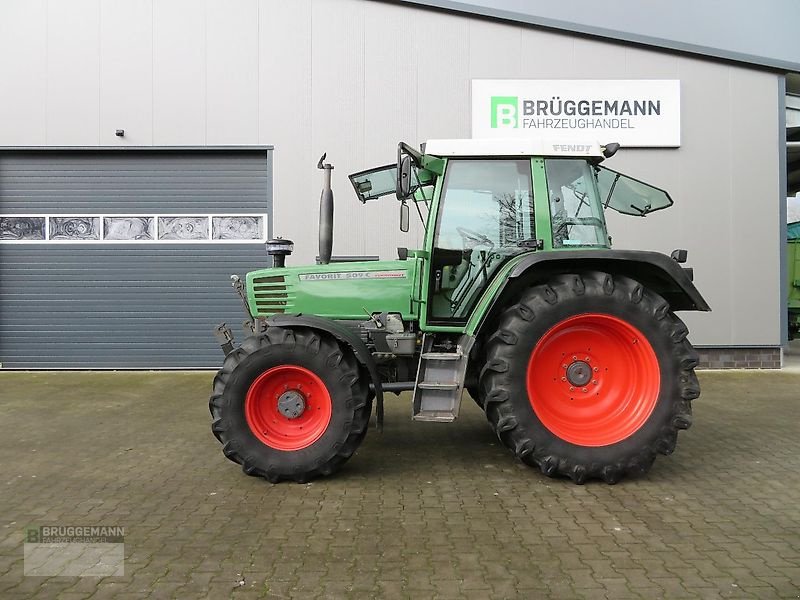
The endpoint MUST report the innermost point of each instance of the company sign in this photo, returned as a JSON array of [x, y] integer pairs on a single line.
[[633, 112]]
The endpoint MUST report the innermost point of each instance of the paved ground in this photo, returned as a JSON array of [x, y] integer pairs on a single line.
[[426, 510]]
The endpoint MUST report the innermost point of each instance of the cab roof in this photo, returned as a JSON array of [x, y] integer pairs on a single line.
[[512, 147]]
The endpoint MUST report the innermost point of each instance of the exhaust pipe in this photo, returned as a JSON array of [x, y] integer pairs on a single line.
[[325, 214]]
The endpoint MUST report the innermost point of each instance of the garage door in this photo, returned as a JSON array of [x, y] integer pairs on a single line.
[[121, 259]]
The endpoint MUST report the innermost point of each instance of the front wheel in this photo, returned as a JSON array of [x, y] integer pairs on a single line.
[[589, 376], [290, 404]]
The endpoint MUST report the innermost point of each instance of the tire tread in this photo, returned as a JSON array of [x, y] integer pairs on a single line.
[[494, 379], [336, 358]]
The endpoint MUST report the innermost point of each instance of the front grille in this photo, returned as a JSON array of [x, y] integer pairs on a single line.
[[272, 295]]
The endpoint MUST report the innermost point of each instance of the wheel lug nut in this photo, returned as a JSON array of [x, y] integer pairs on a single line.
[[596, 369], [571, 389], [584, 390], [563, 379], [574, 358], [594, 381]]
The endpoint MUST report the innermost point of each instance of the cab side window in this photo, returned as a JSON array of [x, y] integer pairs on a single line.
[[575, 211]]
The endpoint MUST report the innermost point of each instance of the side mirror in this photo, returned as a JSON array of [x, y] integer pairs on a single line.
[[403, 216], [404, 178]]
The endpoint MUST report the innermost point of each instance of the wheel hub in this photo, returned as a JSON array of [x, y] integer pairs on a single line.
[[288, 407], [593, 379], [579, 373], [291, 404]]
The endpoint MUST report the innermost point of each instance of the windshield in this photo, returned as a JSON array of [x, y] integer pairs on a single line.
[[575, 210], [629, 196]]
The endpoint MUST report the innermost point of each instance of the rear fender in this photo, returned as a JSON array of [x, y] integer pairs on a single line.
[[654, 270]]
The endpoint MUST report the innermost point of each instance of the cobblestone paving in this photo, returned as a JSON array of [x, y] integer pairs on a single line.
[[422, 511]]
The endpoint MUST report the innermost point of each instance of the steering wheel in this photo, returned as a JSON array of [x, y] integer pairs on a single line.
[[477, 239]]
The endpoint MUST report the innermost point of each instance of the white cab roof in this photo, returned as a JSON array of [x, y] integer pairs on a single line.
[[512, 147]]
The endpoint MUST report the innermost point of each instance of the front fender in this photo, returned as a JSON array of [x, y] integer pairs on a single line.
[[344, 335]]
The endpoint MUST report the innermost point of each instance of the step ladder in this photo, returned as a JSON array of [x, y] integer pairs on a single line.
[[440, 381]]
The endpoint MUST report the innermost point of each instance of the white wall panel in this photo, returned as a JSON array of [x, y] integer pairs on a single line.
[[284, 77], [232, 72], [702, 193], [126, 72], [443, 89], [546, 55], [646, 64], [337, 113], [179, 72], [597, 60], [23, 47], [73, 73], [495, 50], [754, 234], [390, 115]]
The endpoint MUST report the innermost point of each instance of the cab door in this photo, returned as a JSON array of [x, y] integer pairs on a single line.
[[484, 216]]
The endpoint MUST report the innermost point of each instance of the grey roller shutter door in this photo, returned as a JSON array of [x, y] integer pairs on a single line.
[[125, 305]]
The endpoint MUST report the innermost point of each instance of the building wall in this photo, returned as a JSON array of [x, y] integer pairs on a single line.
[[352, 77]]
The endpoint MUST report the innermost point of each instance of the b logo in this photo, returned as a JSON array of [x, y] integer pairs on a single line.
[[32, 535], [504, 111]]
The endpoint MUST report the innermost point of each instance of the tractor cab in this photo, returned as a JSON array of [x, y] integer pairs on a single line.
[[484, 202]]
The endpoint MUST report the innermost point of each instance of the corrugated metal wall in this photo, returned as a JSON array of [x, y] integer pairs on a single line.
[[124, 305]]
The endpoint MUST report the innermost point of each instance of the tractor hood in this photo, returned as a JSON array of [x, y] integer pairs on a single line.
[[348, 291]]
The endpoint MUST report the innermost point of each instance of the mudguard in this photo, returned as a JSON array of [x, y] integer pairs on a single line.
[[346, 336], [656, 271]]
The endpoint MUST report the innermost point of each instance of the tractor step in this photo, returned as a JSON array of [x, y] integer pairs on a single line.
[[440, 381], [433, 416], [435, 385], [442, 355]]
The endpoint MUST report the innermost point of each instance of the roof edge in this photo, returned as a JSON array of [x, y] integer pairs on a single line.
[[606, 34]]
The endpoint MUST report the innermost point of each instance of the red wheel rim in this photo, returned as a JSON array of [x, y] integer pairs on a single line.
[[278, 387], [622, 386]]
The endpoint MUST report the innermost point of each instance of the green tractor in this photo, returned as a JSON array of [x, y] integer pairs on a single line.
[[572, 350], [793, 272]]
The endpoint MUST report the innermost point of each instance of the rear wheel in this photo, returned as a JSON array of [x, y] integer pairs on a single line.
[[589, 376], [290, 404]]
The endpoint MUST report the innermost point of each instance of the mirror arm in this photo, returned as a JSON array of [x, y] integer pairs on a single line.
[[412, 152]]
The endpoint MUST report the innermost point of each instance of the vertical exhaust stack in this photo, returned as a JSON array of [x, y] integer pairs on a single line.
[[325, 213]]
